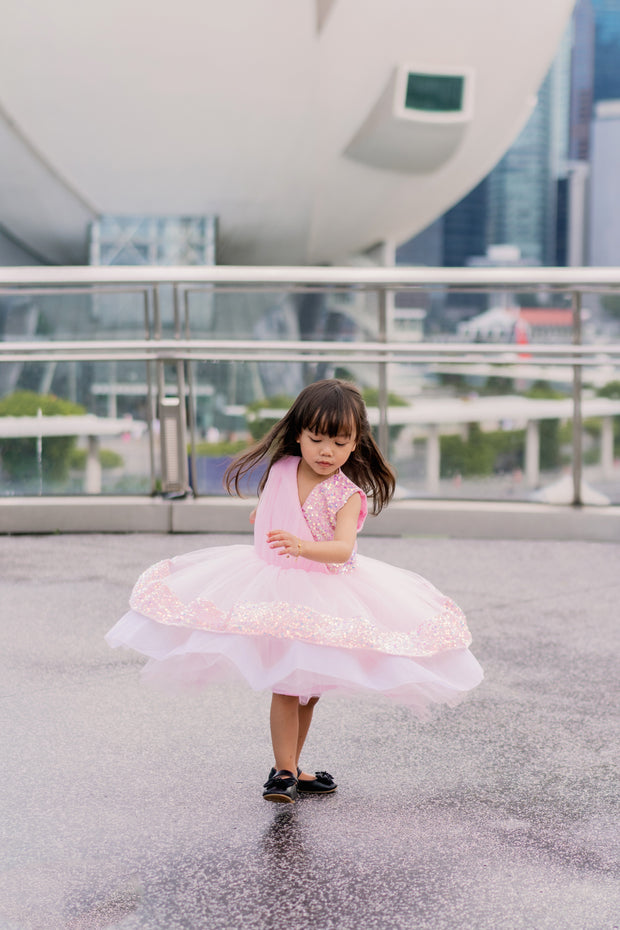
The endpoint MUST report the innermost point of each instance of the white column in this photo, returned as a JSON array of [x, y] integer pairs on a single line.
[[112, 397], [93, 467], [532, 453], [607, 447], [433, 459]]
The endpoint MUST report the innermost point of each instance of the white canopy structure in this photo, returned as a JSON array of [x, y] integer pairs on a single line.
[[312, 130]]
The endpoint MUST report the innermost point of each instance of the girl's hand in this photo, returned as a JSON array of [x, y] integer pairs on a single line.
[[286, 544]]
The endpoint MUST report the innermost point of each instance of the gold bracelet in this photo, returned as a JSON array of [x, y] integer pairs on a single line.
[[298, 547]]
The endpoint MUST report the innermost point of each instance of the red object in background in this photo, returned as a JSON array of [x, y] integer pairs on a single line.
[[522, 336]]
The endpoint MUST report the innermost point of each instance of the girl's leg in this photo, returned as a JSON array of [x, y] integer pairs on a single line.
[[304, 714], [284, 721]]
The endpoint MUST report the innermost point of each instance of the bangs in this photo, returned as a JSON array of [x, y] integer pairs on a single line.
[[336, 419], [330, 408]]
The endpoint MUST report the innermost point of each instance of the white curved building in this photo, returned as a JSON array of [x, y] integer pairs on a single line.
[[312, 129]]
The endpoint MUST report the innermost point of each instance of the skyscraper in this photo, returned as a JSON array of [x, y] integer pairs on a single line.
[[605, 185], [516, 204], [607, 55], [582, 81], [465, 227], [519, 187]]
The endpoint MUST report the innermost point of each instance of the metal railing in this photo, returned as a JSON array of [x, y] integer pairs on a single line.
[[175, 346]]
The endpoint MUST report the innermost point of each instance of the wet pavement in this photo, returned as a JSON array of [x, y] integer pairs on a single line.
[[125, 808]]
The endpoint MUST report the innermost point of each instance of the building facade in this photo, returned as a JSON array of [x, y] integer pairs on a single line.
[[605, 185]]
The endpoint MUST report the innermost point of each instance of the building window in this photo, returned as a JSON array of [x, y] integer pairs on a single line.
[[440, 93], [153, 240]]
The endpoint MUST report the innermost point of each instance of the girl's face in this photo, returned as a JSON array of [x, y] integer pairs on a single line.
[[323, 454]]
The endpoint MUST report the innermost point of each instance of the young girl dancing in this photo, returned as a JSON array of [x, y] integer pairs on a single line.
[[301, 613]]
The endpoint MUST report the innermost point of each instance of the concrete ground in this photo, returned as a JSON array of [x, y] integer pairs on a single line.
[[125, 808]]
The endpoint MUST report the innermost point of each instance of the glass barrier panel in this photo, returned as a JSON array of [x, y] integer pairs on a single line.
[[64, 314], [601, 449], [455, 440], [237, 403], [460, 425], [320, 314], [109, 456]]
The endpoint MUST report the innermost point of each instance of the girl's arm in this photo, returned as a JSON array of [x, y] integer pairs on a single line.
[[338, 549]]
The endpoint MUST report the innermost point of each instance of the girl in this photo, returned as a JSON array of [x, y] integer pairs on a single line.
[[300, 613]]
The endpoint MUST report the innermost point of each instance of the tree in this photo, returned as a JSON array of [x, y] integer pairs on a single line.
[[19, 456]]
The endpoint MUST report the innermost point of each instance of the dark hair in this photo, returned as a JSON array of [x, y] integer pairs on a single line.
[[327, 407]]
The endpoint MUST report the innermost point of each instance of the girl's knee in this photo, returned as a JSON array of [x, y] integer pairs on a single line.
[[284, 698]]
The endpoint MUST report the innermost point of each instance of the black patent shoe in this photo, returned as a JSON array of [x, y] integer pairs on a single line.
[[322, 783], [280, 787]]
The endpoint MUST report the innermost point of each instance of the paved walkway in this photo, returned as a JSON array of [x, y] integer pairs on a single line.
[[124, 808]]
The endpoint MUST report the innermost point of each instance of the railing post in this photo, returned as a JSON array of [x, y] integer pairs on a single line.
[[150, 399], [92, 477], [577, 415], [607, 447], [172, 419], [433, 459], [191, 401], [532, 453], [383, 375], [159, 365], [183, 475]]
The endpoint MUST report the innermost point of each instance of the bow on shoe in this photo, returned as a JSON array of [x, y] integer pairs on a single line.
[[322, 783], [281, 787], [324, 777]]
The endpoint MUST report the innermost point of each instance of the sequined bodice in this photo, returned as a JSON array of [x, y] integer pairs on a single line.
[[279, 508], [321, 508]]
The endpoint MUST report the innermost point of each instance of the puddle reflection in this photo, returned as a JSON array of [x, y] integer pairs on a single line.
[[283, 840]]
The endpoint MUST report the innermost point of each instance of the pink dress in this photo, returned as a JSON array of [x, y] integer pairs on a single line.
[[294, 626]]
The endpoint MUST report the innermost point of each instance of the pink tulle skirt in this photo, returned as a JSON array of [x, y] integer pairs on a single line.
[[223, 614]]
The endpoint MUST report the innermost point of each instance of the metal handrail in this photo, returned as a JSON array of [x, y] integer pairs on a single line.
[[156, 351], [258, 350], [399, 348], [567, 279]]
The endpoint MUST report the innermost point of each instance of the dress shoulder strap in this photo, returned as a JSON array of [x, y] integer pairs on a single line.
[[336, 491]]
